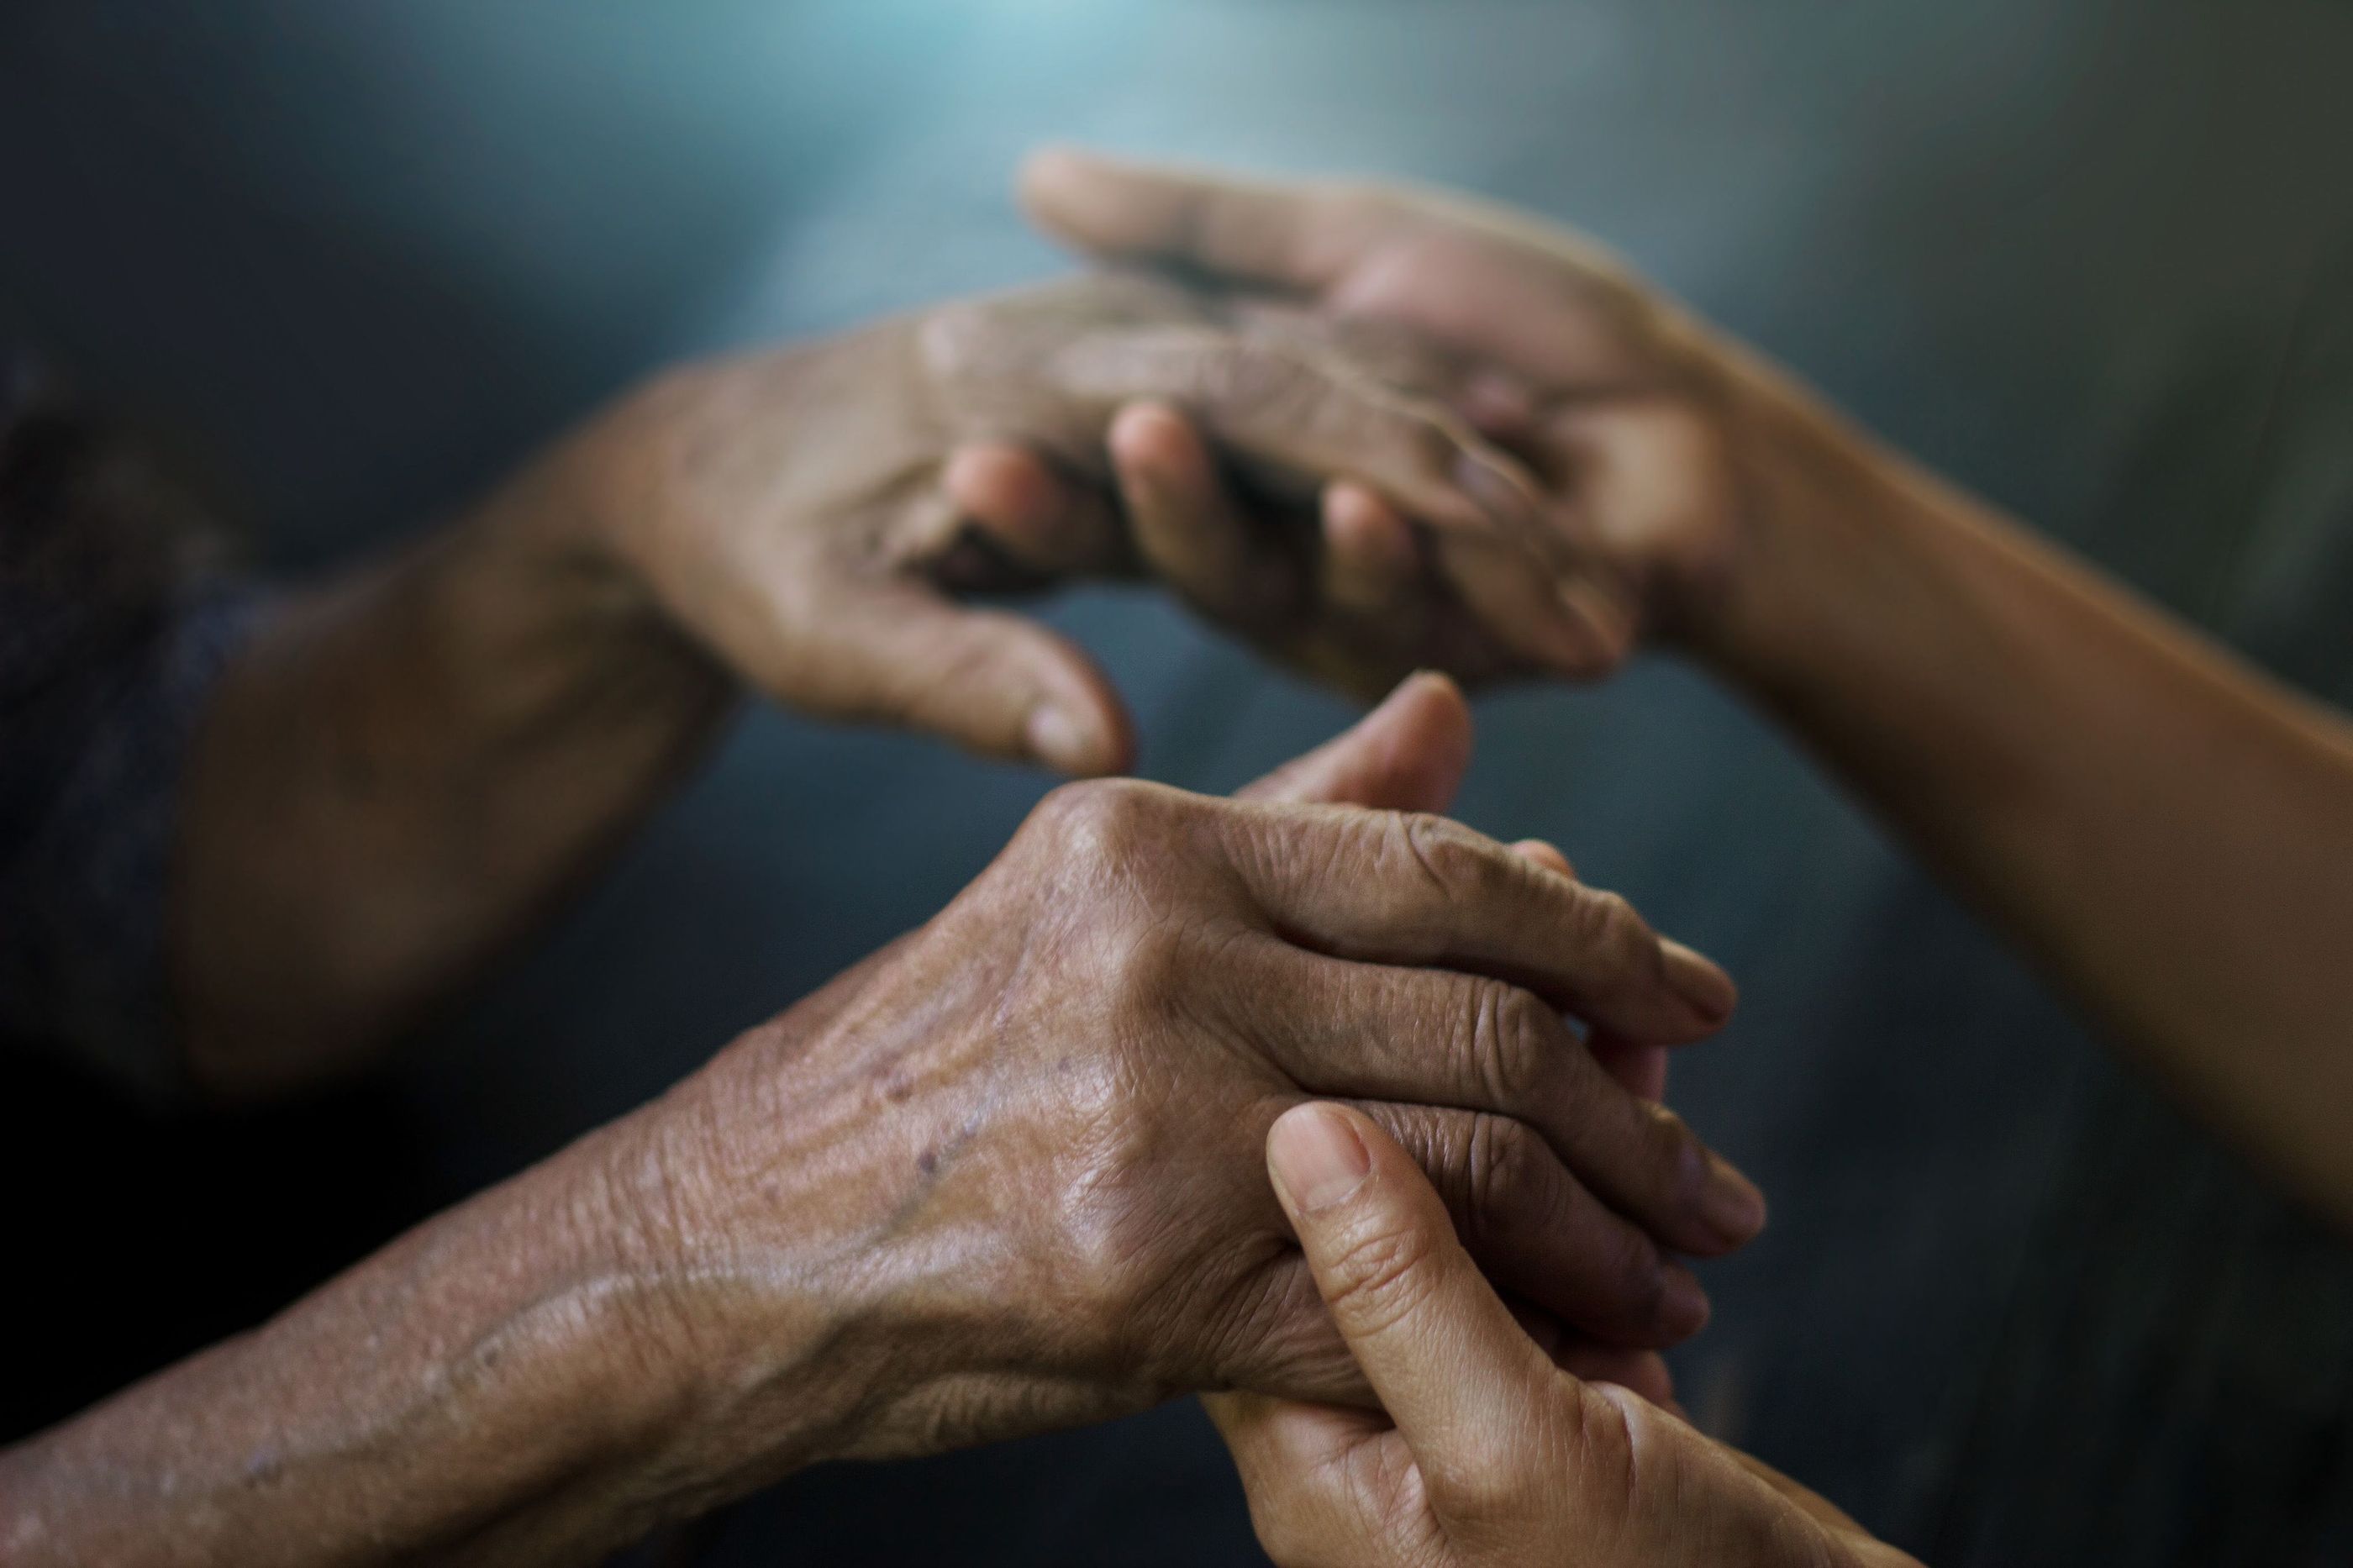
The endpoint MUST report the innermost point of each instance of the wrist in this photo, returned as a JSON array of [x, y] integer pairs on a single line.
[[547, 616], [1815, 503], [788, 1319]]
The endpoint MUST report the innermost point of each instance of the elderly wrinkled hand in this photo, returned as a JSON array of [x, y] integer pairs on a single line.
[[1019, 1148], [790, 511], [409, 763], [1644, 442]]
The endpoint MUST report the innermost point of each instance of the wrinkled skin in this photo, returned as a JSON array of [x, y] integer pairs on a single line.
[[413, 763], [998, 1179], [1031, 1127], [1486, 1452], [789, 510], [1640, 441]]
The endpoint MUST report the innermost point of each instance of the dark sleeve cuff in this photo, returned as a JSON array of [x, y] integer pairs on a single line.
[[90, 777]]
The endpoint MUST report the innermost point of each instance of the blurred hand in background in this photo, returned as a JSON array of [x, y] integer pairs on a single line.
[[410, 763]]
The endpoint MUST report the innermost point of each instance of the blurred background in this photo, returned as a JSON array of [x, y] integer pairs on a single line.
[[2094, 259]]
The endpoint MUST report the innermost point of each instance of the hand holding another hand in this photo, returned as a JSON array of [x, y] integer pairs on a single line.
[[1486, 1454], [1662, 455], [1004, 1177], [790, 513]]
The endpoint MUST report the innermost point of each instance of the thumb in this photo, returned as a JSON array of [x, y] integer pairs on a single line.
[[1408, 754], [1438, 1347], [994, 682]]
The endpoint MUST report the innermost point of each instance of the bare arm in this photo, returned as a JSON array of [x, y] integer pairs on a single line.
[[2166, 830], [406, 769], [997, 1180], [2168, 834]]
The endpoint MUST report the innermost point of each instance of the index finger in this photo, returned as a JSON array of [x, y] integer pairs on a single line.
[[1299, 237], [1419, 890], [1278, 401]]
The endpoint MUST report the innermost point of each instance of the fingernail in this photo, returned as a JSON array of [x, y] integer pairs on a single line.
[[1316, 1156], [1061, 739], [1683, 1307], [1700, 982], [1731, 1204]]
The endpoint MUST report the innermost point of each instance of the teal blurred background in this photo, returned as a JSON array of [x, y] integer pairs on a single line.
[[2094, 259]]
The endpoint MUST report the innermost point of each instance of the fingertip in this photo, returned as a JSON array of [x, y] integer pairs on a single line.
[[1699, 981], [1046, 176], [1545, 854], [1077, 725], [1683, 1307], [1370, 558], [1360, 521], [1156, 442], [1318, 1157], [1003, 487], [1734, 1205], [1433, 697]]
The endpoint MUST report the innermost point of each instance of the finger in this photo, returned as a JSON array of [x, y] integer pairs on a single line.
[[1437, 1346], [1416, 889], [1239, 230], [1408, 754], [1310, 1471], [998, 684], [1190, 533], [1308, 414], [1424, 1039], [1049, 523], [1371, 562], [1539, 1235], [1640, 1071], [1553, 621], [1545, 854]]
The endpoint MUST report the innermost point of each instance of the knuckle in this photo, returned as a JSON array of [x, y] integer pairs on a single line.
[[1100, 821], [1620, 936], [1260, 379], [1508, 1041], [959, 340], [1501, 1178], [1450, 856]]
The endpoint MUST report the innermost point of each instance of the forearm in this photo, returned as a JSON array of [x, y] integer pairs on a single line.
[[2167, 832], [401, 773], [691, 1303], [500, 1386]]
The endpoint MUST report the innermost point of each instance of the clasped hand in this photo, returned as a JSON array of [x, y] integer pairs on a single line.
[[1005, 1176]]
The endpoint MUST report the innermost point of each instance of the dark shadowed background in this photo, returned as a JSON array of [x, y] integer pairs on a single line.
[[2096, 260]]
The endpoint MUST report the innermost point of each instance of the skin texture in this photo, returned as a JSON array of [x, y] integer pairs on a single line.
[[1484, 1451], [998, 1179], [415, 762], [2022, 722]]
